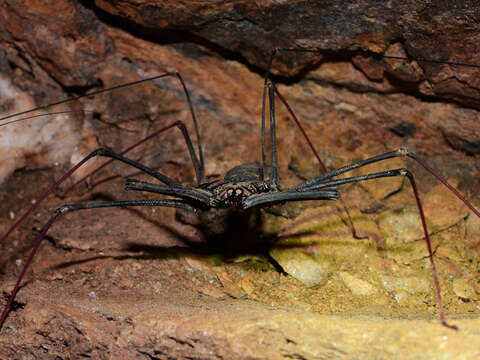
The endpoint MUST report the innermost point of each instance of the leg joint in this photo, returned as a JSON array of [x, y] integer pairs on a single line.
[[64, 208], [405, 172], [403, 151]]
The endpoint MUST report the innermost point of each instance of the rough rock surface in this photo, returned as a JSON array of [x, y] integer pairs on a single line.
[[138, 284]]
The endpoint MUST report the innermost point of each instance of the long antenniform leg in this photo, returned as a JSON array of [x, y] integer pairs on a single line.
[[309, 187], [172, 186], [74, 207], [269, 84], [323, 168], [97, 152], [198, 162]]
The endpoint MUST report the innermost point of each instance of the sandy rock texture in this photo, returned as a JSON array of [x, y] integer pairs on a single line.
[[144, 284]]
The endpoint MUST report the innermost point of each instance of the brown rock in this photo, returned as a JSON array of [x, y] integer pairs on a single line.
[[114, 283]]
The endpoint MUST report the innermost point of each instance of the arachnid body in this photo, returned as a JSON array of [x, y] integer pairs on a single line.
[[243, 187]]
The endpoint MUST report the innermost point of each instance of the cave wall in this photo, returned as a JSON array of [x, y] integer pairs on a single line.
[[352, 102], [222, 48]]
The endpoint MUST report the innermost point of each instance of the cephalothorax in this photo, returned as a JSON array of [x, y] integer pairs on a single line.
[[238, 185], [244, 187]]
